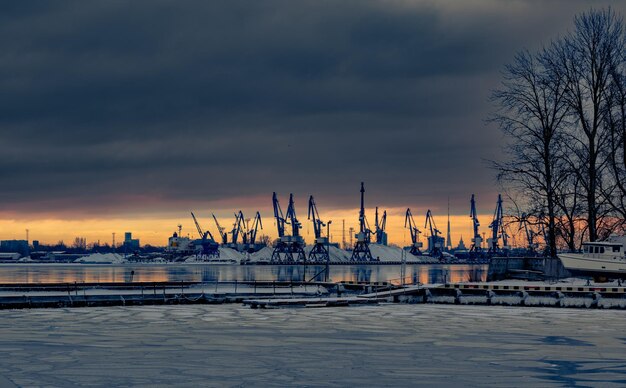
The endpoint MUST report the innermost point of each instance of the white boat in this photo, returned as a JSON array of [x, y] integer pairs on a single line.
[[601, 258]]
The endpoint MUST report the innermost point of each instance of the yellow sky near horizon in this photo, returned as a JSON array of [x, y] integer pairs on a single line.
[[155, 230]]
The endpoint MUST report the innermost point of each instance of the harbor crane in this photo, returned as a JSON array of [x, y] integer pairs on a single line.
[[435, 242], [221, 231], [409, 223], [477, 241], [278, 214], [319, 253], [209, 246], [381, 235], [237, 228], [292, 219], [497, 231], [287, 246], [361, 250], [256, 223]]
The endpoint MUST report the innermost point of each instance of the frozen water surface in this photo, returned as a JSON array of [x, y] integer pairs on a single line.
[[231, 345]]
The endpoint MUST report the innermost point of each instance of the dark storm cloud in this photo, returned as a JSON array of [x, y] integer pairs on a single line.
[[106, 106]]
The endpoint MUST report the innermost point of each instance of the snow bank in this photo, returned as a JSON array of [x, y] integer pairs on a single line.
[[230, 254], [264, 254], [384, 253], [335, 253], [100, 258]]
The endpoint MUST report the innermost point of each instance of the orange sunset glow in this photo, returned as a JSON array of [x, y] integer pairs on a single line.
[[156, 229]]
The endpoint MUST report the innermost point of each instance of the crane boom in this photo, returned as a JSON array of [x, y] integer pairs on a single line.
[[200, 232], [238, 227], [278, 214], [203, 234], [409, 223], [291, 216], [220, 230], [314, 216], [255, 227]]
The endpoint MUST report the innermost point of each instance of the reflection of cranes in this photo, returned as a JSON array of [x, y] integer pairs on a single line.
[[381, 235], [477, 240], [409, 223], [435, 242], [319, 253], [287, 246], [497, 231]]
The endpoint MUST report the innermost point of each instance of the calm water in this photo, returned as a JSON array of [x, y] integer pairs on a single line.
[[60, 273]]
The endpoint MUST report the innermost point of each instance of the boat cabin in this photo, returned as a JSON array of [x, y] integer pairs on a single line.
[[603, 249]]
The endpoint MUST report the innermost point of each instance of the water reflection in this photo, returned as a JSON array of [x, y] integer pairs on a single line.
[[412, 274]]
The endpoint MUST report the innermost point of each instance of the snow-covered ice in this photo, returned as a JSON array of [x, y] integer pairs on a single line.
[[389, 345]]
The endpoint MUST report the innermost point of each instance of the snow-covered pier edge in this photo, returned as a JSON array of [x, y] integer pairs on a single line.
[[490, 294], [313, 294], [62, 295]]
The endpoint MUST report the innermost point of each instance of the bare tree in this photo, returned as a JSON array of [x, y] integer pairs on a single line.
[[585, 58], [532, 111], [570, 226], [614, 190]]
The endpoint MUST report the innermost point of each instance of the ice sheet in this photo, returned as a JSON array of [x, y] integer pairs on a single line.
[[389, 345]]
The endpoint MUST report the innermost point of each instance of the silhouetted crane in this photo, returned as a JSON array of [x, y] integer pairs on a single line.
[[287, 246], [209, 246], [361, 251], [435, 242], [477, 241], [221, 231], [319, 252], [415, 233], [381, 235]]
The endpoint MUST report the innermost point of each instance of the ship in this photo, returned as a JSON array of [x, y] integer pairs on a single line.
[[605, 259]]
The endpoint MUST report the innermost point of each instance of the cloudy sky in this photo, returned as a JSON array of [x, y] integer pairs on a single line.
[[137, 112]]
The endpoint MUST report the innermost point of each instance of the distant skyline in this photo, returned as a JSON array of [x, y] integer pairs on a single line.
[[124, 116]]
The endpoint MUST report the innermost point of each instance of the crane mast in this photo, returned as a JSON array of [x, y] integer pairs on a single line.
[[291, 217], [361, 251], [497, 231], [477, 240], [381, 235]]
